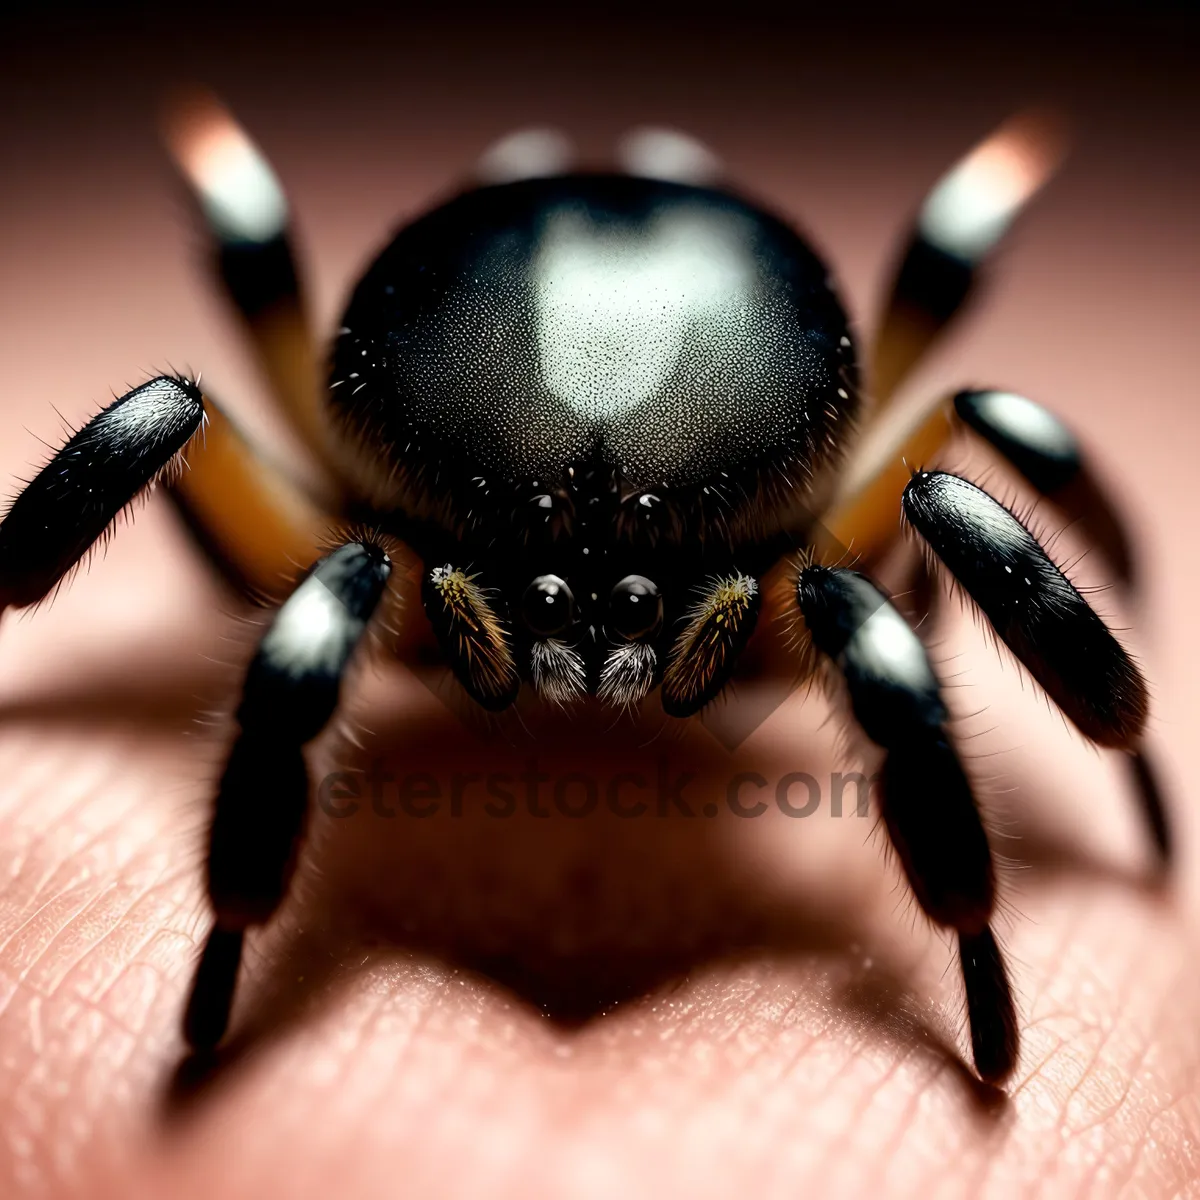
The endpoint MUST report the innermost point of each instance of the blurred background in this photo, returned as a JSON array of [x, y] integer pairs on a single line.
[[838, 120]]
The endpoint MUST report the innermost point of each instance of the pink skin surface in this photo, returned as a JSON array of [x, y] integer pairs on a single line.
[[461, 1005]]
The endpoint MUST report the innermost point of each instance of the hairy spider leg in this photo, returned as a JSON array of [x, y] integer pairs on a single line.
[[291, 691], [254, 524], [1038, 444], [1041, 447], [1027, 435], [151, 433], [960, 222], [245, 216], [951, 241], [1032, 607], [75, 498], [863, 517], [926, 799], [1041, 617]]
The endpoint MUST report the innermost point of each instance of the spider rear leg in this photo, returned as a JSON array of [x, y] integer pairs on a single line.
[[290, 693], [531, 152], [1049, 456], [960, 223], [926, 799], [246, 217], [1036, 611], [715, 631], [1029, 436], [659, 152]]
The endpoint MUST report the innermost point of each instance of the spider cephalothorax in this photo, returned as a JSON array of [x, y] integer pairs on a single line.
[[603, 410], [581, 380]]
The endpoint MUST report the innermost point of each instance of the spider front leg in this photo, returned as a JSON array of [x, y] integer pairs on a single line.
[[926, 798], [290, 693], [249, 517], [75, 498], [236, 503], [1037, 612]]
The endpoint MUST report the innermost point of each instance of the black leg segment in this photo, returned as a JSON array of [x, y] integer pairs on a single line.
[[1048, 454], [960, 225], [926, 798], [73, 500], [1148, 792], [290, 693], [1032, 606], [995, 1041], [1043, 619], [207, 1014]]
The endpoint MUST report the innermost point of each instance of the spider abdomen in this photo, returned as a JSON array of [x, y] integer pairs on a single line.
[[675, 337]]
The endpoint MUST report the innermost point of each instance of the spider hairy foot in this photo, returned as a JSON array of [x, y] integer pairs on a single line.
[[926, 799]]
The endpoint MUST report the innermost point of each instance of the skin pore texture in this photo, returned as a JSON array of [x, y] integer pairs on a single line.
[[464, 1004]]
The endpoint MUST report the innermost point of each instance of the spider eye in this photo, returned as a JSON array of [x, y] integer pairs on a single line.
[[548, 606], [635, 607]]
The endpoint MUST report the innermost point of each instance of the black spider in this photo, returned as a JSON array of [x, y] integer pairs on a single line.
[[600, 408]]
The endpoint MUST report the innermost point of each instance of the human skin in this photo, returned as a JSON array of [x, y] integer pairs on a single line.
[[548, 1006]]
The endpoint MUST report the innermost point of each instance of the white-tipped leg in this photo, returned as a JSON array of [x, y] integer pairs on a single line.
[[656, 152], [245, 215], [533, 153], [961, 222]]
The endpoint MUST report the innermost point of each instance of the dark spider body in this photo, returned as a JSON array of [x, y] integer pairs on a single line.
[[593, 377], [601, 409]]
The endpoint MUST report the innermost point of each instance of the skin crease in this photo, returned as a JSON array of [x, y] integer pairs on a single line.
[[459, 1006]]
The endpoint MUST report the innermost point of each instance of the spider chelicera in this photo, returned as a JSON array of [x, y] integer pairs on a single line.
[[605, 410]]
